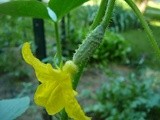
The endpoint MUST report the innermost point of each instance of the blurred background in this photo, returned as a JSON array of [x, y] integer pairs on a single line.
[[122, 79]]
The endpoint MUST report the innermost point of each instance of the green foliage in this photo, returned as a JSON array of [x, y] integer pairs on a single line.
[[133, 98], [32, 8], [11, 63], [61, 7], [123, 19], [37, 9], [13, 108], [152, 13], [141, 53], [14, 31], [81, 19], [114, 47]]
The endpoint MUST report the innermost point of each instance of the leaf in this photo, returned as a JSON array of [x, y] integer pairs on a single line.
[[62, 7], [30, 8], [52, 14], [12, 108]]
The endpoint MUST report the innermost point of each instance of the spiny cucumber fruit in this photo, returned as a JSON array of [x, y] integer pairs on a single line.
[[89, 45]]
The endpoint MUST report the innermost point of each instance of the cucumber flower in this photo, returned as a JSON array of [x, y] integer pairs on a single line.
[[55, 91]]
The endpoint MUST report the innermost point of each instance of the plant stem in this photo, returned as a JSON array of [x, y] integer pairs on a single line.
[[89, 45], [59, 55], [78, 75], [108, 13], [100, 14], [59, 47], [96, 22], [146, 27]]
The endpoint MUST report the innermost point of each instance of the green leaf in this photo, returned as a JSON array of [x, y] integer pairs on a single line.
[[30, 8], [62, 7], [12, 108]]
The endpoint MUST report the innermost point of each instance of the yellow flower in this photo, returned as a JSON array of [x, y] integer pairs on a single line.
[[55, 91]]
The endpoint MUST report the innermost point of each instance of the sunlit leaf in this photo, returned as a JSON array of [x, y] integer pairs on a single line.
[[32, 8], [62, 7], [12, 108], [52, 14]]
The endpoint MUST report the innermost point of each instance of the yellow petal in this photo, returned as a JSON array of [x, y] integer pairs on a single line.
[[28, 56], [66, 81], [74, 110], [42, 94], [56, 101], [47, 73], [43, 71]]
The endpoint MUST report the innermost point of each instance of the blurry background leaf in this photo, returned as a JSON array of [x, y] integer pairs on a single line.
[[12, 108], [31, 8], [62, 7]]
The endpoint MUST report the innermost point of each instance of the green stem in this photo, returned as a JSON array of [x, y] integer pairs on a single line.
[[96, 22], [59, 55], [146, 27], [87, 48], [100, 14], [108, 13], [78, 75], [59, 47]]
